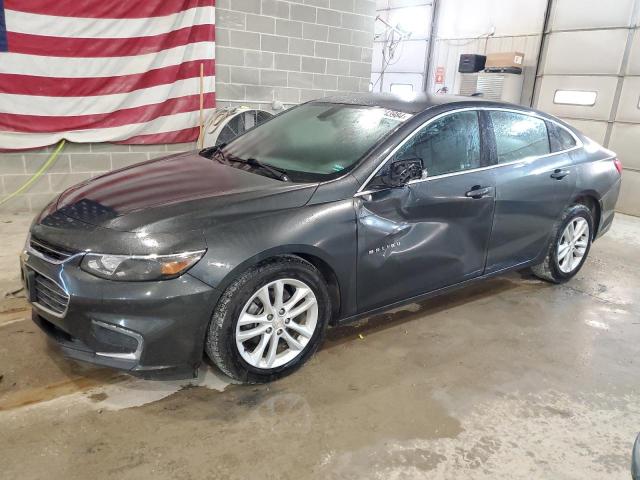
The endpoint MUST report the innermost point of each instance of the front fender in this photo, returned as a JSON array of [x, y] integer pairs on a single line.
[[325, 231]]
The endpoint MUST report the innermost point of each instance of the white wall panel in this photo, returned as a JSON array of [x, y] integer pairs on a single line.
[[604, 86], [404, 79], [382, 4], [625, 141], [447, 54], [411, 57], [408, 65], [416, 20], [592, 129], [633, 67], [629, 201], [629, 106], [472, 18], [573, 14], [585, 52]]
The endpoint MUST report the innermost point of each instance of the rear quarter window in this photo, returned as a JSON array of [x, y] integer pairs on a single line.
[[519, 136], [559, 138]]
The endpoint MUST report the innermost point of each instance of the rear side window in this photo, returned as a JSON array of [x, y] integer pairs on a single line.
[[450, 144], [560, 138], [519, 136]]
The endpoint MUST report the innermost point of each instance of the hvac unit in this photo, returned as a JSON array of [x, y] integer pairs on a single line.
[[505, 87], [224, 124]]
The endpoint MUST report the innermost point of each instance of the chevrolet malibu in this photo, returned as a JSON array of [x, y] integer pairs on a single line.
[[333, 210]]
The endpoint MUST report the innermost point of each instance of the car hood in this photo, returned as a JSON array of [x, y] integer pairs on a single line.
[[174, 194]]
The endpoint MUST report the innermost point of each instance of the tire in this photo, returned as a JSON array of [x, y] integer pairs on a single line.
[[245, 362], [556, 270]]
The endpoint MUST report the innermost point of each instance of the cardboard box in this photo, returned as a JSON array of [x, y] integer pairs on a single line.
[[505, 60]]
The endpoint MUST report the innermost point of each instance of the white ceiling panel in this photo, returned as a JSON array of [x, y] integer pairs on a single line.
[[625, 141], [591, 52], [572, 14], [604, 86], [629, 106], [592, 129]]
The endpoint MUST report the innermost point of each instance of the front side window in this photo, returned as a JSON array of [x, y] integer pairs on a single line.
[[316, 141], [447, 145], [519, 136]]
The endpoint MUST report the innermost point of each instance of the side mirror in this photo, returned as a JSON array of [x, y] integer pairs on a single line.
[[402, 171]]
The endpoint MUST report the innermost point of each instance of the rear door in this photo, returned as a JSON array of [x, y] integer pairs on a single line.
[[433, 232], [533, 187]]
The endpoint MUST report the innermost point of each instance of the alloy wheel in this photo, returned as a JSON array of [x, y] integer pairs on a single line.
[[276, 323], [573, 244]]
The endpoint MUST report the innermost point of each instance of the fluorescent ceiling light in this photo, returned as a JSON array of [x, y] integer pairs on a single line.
[[575, 97]]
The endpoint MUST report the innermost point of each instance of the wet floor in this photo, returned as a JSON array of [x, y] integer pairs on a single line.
[[510, 378]]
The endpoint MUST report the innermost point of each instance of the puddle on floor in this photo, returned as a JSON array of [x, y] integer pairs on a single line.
[[135, 392], [107, 390]]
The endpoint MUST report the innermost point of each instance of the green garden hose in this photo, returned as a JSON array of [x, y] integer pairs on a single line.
[[50, 161]]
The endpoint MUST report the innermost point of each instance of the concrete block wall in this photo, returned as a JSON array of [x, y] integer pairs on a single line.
[[76, 163], [266, 50], [292, 51]]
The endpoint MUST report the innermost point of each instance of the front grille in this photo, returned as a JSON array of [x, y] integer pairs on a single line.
[[48, 294], [50, 252]]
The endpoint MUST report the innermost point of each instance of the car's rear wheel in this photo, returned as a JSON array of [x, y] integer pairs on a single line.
[[269, 321], [569, 247]]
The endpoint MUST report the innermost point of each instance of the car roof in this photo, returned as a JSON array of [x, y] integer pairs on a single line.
[[414, 103]]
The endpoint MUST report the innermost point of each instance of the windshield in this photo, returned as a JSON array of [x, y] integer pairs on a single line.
[[316, 141]]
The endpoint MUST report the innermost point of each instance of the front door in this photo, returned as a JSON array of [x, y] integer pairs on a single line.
[[433, 232]]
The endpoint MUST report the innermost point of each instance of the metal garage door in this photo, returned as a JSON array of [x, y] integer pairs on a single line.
[[405, 71], [590, 76]]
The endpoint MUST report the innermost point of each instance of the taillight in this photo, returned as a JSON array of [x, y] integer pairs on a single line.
[[618, 165]]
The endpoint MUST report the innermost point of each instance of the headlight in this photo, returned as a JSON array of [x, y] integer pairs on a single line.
[[135, 268]]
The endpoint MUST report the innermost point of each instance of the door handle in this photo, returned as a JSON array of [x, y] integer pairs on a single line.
[[559, 174], [478, 192]]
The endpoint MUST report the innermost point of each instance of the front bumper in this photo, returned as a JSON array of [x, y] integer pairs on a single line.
[[151, 329]]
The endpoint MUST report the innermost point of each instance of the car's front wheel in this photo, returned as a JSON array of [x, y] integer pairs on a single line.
[[569, 247], [269, 321]]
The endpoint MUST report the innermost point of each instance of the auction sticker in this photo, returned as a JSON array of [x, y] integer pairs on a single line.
[[395, 115]]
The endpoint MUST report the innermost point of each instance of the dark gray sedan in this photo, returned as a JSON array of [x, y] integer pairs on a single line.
[[332, 210]]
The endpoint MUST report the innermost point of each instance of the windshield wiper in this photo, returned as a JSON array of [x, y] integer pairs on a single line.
[[212, 152], [275, 172], [217, 153]]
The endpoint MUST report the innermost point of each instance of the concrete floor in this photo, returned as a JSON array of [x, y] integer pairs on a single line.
[[510, 378]]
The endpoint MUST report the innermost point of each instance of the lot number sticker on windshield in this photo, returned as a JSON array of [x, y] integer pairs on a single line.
[[395, 115]]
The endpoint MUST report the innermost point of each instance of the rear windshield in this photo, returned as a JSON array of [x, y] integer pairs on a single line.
[[316, 141]]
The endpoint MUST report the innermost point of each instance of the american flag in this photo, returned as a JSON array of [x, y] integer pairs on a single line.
[[104, 70]]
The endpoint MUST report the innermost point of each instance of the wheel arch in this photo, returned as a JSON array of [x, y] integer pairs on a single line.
[[315, 256], [331, 279], [591, 200]]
